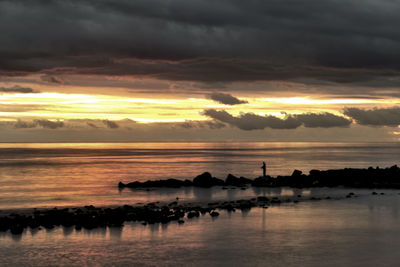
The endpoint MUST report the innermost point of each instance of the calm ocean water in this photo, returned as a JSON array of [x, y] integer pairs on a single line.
[[360, 231], [70, 174]]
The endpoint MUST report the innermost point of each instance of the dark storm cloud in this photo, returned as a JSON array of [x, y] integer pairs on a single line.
[[250, 121], [322, 120], [338, 41], [49, 124], [226, 99], [20, 124], [51, 79], [111, 124], [92, 125], [375, 117], [200, 124], [17, 89], [24, 124]]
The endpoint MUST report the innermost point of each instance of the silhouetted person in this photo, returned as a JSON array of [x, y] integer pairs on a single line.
[[264, 167]]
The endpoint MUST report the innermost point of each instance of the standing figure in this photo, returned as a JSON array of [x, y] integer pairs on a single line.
[[264, 167]]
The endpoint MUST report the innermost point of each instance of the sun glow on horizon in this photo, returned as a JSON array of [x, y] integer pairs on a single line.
[[61, 106]]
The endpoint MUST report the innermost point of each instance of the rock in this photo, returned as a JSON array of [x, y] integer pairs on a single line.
[[121, 185], [203, 180], [296, 173], [262, 199], [374, 193], [231, 180], [262, 181], [181, 221], [234, 181], [214, 214], [16, 229], [275, 200], [192, 214], [206, 180]]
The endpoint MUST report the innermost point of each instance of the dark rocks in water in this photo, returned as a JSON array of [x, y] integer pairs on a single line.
[[297, 173], [263, 181], [358, 178], [16, 229], [246, 204], [187, 183], [239, 182], [192, 214], [203, 180], [214, 214], [206, 180], [170, 183], [262, 199], [374, 193], [275, 200], [181, 221]]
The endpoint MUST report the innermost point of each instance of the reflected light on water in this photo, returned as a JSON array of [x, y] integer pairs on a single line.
[[45, 175], [352, 232]]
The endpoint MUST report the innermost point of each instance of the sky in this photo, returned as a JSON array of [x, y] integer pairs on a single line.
[[199, 70]]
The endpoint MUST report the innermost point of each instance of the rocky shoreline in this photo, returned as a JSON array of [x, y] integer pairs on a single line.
[[348, 177], [90, 217]]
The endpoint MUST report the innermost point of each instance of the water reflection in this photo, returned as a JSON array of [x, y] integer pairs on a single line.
[[46, 175], [67, 230], [362, 230], [116, 232]]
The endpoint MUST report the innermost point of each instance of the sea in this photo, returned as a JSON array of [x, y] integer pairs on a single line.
[[360, 231]]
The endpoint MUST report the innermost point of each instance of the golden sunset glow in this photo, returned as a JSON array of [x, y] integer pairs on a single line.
[[62, 106]]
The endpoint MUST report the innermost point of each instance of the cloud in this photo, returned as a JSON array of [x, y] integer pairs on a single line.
[[322, 120], [19, 124], [111, 124], [201, 124], [18, 89], [250, 121], [91, 125], [204, 40], [226, 99], [23, 124], [51, 79], [375, 117]]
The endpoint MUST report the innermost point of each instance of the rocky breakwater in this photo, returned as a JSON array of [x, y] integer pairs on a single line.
[[348, 177], [90, 217], [205, 180]]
